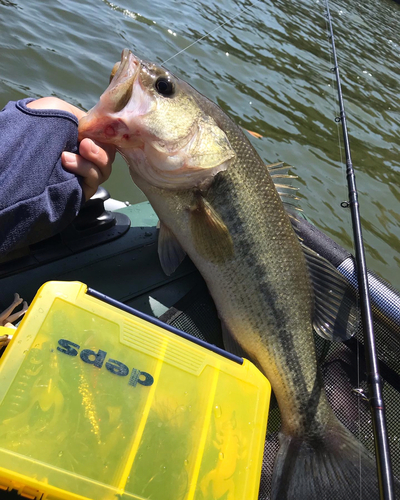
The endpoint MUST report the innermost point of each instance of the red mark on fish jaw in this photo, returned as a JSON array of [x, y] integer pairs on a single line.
[[109, 131], [126, 136]]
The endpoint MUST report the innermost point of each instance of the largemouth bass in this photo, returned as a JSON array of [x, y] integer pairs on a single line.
[[217, 202]]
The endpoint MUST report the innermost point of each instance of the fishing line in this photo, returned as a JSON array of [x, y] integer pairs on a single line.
[[382, 453], [335, 100], [215, 29], [359, 412]]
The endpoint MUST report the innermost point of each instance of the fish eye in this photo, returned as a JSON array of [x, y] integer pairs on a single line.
[[164, 86]]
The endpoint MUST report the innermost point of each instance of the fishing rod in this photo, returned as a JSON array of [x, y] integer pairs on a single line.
[[382, 452]]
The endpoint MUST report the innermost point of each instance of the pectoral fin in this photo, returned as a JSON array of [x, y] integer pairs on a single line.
[[210, 235], [169, 250]]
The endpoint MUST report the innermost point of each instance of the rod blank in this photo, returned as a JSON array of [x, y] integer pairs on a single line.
[[382, 452]]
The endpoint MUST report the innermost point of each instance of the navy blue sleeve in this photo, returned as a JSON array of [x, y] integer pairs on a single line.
[[38, 197]]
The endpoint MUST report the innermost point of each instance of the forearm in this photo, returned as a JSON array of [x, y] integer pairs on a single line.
[[93, 164], [38, 197], [34, 219]]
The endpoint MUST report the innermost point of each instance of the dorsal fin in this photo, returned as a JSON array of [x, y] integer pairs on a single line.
[[280, 174]]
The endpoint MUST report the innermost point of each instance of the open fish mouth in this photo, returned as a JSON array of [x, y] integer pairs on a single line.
[[129, 64], [120, 89], [113, 99]]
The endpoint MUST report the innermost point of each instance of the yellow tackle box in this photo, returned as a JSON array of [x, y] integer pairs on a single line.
[[98, 401]]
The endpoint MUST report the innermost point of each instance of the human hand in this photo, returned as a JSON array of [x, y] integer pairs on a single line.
[[93, 164], [94, 161]]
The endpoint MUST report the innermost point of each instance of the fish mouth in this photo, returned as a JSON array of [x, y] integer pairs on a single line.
[[113, 100], [129, 64]]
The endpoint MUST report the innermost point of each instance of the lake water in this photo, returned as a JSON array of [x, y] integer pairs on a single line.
[[269, 68]]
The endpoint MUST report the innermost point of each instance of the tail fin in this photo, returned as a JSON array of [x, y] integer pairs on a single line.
[[333, 467]]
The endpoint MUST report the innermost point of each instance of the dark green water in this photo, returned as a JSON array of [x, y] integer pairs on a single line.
[[268, 68]]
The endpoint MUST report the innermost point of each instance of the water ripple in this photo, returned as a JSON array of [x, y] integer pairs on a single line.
[[275, 80]]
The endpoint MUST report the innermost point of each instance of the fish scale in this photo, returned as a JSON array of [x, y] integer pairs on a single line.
[[269, 257], [216, 200]]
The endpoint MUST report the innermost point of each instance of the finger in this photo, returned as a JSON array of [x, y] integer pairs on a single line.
[[92, 176], [98, 168], [101, 154], [80, 166]]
